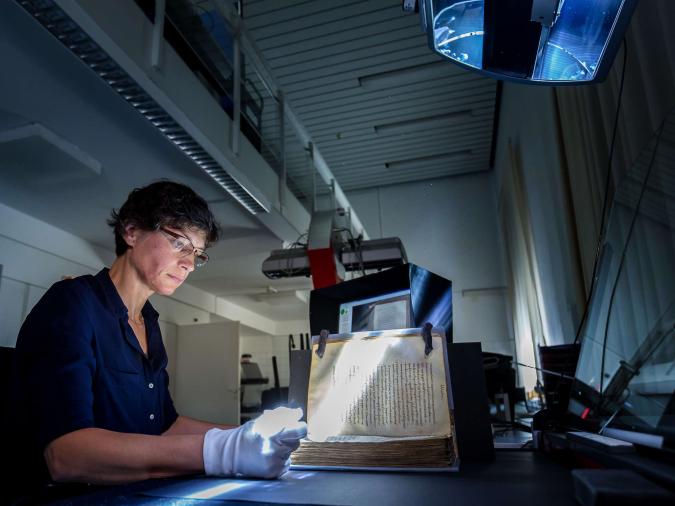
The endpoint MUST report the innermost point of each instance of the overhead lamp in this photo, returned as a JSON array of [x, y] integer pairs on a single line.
[[535, 41], [435, 121], [402, 76], [414, 163]]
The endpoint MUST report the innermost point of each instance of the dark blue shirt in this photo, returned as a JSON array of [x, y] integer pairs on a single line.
[[79, 365]]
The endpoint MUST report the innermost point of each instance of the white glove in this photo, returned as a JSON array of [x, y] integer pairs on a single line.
[[258, 449]]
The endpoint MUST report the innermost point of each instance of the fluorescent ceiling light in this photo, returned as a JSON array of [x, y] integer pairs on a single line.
[[414, 163], [406, 75], [438, 120]]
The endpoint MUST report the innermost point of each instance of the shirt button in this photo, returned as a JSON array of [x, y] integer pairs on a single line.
[[151, 385], [152, 417]]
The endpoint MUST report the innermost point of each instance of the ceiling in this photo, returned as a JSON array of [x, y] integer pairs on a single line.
[[380, 106]]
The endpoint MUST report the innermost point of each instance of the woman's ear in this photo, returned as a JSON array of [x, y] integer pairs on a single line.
[[131, 233]]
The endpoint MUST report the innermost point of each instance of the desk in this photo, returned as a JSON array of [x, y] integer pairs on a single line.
[[514, 478]]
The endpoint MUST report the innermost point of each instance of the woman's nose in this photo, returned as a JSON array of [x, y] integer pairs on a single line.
[[187, 262]]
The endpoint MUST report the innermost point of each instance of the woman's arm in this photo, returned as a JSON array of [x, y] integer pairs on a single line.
[[102, 456], [105, 457], [184, 425]]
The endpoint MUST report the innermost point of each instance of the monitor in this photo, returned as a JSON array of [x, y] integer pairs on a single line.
[[384, 312], [405, 296]]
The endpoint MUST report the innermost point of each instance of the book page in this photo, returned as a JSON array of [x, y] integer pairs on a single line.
[[378, 386], [390, 315]]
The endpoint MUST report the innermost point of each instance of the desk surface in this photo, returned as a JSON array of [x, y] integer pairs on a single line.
[[514, 478]]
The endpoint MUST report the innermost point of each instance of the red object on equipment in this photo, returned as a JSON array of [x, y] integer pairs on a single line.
[[321, 252], [322, 265]]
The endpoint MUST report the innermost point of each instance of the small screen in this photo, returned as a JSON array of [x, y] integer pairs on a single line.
[[384, 312]]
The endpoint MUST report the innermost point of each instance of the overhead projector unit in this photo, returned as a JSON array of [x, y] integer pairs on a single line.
[[370, 255]]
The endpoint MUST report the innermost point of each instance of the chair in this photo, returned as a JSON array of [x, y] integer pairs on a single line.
[[274, 397], [251, 387], [6, 357]]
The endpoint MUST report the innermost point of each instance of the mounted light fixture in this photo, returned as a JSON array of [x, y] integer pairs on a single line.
[[435, 121], [536, 41], [442, 158]]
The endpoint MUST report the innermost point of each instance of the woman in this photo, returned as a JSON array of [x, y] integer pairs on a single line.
[[91, 398]]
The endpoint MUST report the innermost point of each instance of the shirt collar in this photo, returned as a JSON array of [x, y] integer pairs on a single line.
[[115, 301]]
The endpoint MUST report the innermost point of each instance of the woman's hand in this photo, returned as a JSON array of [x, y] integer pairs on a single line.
[[260, 448]]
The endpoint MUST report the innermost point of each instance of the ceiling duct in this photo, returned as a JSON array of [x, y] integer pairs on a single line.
[[59, 24]]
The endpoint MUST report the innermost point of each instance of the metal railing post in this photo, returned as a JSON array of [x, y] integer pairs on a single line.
[[157, 34], [281, 104], [332, 193], [236, 92], [310, 153]]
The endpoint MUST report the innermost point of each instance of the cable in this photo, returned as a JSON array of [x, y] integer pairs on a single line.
[[289, 271], [297, 242], [356, 244], [605, 201], [547, 371], [623, 253]]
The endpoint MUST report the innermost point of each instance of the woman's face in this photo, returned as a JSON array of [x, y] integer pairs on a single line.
[[158, 259]]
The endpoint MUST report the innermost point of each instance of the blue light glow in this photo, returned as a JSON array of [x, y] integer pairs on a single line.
[[218, 490], [458, 32], [577, 41]]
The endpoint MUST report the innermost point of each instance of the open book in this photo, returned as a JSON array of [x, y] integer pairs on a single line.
[[377, 400]]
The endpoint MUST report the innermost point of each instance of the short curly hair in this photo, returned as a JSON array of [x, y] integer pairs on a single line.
[[160, 204]]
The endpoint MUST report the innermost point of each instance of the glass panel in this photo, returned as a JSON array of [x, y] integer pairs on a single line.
[[627, 365], [299, 168], [260, 115], [202, 38]]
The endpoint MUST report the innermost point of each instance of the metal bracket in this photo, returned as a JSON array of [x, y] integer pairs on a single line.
[[321, 349], [426, 335]]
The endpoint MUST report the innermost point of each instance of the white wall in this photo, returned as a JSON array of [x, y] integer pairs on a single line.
[[34, 255], [170, 337], [262, 349], [449, 226], [529, 122], [207, 372], [528, 146]]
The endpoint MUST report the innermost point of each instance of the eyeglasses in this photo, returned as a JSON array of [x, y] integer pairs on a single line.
[[184, 247]]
